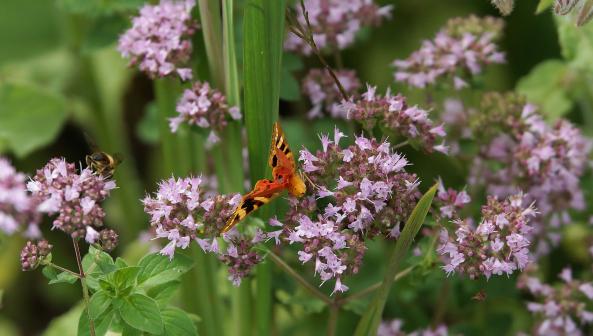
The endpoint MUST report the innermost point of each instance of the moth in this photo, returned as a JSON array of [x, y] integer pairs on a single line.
[[284, 177], [101, 162]]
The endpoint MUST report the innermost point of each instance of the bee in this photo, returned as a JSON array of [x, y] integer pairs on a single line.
[[101, 162]]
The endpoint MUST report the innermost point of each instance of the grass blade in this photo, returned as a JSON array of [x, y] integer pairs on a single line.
[[370, 320], [263, 32]]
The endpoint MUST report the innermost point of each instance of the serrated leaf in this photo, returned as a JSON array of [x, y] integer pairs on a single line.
[[142, 313], [30, 118], [101, 324], [98, 261], [125, 277], [64, 277], [544, 86], [163, 293], [158, 269], [99, 303], [56, 277], [177, 323]]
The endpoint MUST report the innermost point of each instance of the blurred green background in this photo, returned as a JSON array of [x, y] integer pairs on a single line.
[[61, 56]]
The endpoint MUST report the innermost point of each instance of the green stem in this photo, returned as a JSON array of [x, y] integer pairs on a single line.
[[85, 290], [62, 269], [332, 325], [374, 287], [212, 31], [295, 275]]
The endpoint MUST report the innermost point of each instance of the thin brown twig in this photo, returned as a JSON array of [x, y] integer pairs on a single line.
[[307, 36]]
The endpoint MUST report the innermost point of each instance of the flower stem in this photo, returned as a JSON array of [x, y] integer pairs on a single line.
[[374, 287], [295, 275], [334, 310], [306, 34], [62, 269], [85, 290], [401, 144]]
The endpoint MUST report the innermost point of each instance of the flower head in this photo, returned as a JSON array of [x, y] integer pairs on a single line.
[[334, 23], [559, 309], [204, 107], [17, 208], [33, 254], [498, 245], [159, 40], [394, 114], [320, 88], [75, 197], [366, 192], [464, 46], [544, 161]]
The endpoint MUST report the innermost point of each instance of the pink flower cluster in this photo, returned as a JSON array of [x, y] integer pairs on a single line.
[[204, 107], [394, 114], [17, 208], [498, 245], [561, 309], [159, 40], [546, 162], [367, 193], [33, 254], [182, 211], [451, 201], [458, 51], [75, 198], [334, 23], [322, 91], [394, 328]]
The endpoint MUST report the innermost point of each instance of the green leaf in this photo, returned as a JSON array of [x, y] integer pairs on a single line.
[[56, 277], [263, 35], [158, 269], [576, 43], [125, 277], [142, 313], [98, 261], [544, 86], [101, 324], [163, 293], [177, 323], [121, 263], [29, 117], [369, 322], [543, 5], [99, 303]]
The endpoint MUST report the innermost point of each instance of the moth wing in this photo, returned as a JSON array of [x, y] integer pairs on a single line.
[[281, 157], [263, 192]]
